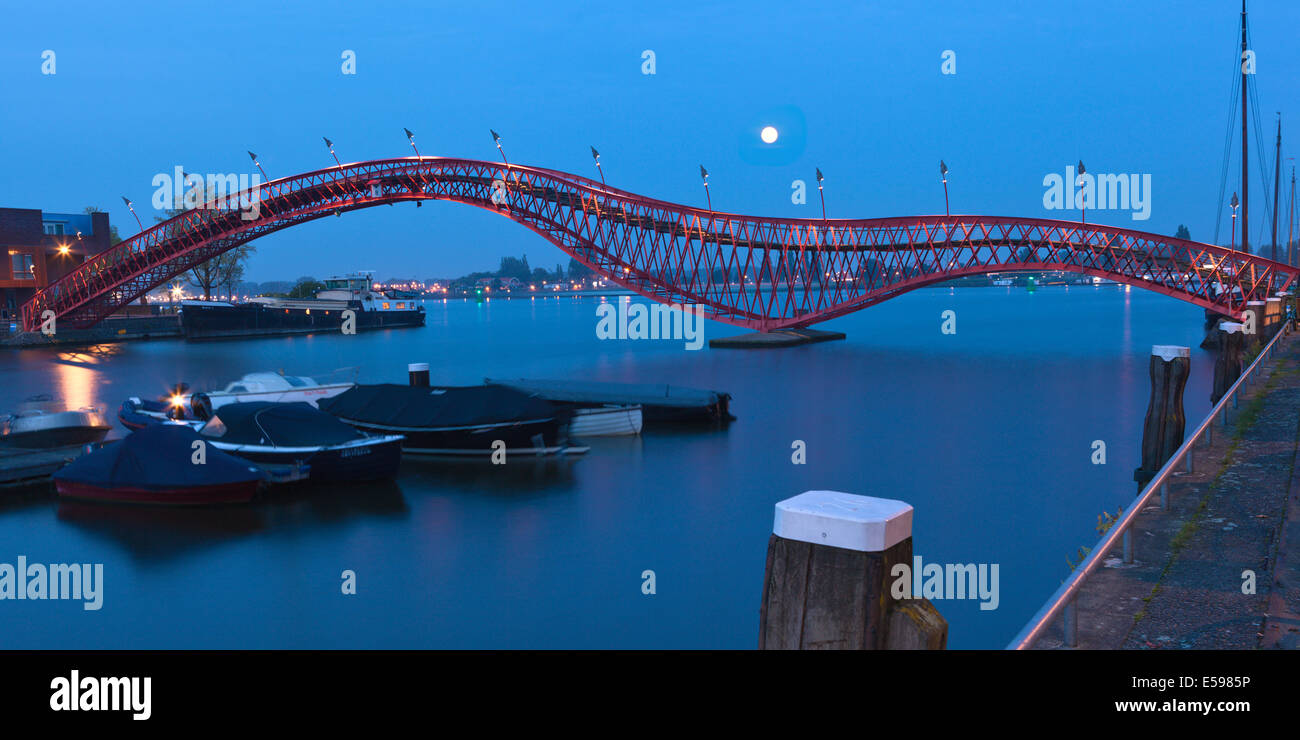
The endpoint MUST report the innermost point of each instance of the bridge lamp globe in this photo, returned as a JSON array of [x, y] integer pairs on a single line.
[[769, 134]]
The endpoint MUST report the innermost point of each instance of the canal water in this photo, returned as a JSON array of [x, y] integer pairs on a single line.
[[988, 432]]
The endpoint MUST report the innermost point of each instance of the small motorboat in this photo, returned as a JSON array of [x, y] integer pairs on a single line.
[[660, 404], [41, 424], [457, 421], [181, 404], [296, 440], [158, 465]]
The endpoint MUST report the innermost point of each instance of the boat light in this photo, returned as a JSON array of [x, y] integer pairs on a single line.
[[178, 401]]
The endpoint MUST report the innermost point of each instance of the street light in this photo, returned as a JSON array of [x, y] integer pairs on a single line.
[[258, 165], [411, 138], [943, 172], [704, 175], [1083, 195], [596, 156], [133, 213], [330, 145], [496, 139], [1233, 244]]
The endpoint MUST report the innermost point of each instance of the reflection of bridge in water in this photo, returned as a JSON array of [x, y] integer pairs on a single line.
[[749, 271]]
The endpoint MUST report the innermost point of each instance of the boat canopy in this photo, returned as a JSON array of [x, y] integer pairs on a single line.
[[261, 382], [413, 407], [157, 457], [263, 423]]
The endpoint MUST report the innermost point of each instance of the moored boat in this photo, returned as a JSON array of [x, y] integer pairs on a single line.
[[606, 421], [40, 423], [456, 421], [296, 440], [156, 465], [660, 403]]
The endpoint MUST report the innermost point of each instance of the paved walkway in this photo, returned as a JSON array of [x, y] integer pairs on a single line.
[[1232, 524]]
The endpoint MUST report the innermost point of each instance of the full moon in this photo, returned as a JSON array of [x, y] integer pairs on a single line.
[[768, 134]]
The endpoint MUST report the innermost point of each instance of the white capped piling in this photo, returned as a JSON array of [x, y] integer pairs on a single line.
[[1227, 363], [829, 577], [418, 372], [1162, 432]]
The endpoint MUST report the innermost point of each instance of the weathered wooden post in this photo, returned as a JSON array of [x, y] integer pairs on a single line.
[[1162, 433], [417, 374], [1227, 364], [828, 584], [1254, 326]]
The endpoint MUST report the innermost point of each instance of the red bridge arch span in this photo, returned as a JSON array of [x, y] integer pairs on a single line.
[[749, 271]]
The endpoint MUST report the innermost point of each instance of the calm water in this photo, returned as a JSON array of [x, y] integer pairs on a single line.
[[987, 433]]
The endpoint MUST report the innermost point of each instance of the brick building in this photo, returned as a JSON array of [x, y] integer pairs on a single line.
[[40, 247]]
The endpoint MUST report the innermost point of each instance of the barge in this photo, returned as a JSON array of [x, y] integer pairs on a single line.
[[326, 312]]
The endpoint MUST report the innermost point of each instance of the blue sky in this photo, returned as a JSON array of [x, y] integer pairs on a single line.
[[141, 88]]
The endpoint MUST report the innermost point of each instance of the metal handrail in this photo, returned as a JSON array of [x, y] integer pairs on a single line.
[[1063, 599]]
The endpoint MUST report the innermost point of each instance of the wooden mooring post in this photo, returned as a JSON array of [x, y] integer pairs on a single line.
[[828, 584], [1162, 433], [1227, 363]]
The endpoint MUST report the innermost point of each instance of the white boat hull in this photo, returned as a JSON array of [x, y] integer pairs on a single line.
[[609, 421], [308, 395]]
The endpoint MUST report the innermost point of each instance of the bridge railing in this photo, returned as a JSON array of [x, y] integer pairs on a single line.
[[1063, 602]]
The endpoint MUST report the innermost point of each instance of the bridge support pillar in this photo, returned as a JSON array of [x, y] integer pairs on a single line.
[[1227, 364], [839, 577], [1162, 433]]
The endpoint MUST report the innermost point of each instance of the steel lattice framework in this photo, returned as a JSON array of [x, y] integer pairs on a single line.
[[749, 271]]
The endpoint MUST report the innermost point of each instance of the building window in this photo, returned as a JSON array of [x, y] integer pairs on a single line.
[[53, 228], [21, 263]]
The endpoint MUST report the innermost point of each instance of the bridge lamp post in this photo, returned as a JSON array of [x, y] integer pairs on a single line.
[[943, 172], [131, 208], [330, 145], [1083, 195], [496, 139], [410, 137], [596, 156], [1233, 243], [704, 175], [258, 165]]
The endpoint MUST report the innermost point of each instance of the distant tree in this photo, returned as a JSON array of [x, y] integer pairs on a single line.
[[577, 270], [222, 271], [514, 267], [305, 279], [1183, 233], [306, 288], [540, 274]]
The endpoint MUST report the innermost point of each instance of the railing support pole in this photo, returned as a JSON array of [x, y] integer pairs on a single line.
[[1188, 459], [1128, 545], [1070, 624], [1164, 495]]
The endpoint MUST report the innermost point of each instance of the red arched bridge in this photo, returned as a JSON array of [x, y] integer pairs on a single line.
[[754, 272]]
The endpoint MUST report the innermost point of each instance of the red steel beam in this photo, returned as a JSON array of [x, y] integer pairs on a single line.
[[751, 271]]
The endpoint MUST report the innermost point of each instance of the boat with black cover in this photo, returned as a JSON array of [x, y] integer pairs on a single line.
[[457, 421], [297, 440], [156, 465]]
